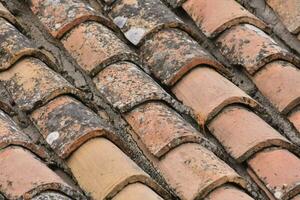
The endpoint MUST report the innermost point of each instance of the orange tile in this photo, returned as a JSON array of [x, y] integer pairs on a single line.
[[139, 18], [194, 171], [207, 92], [66, 124], [24, 175], [279, 170], [251, 48], [171, 53], [228, 192], [137, 191], [160, 128], [103, 170], [94, 47], [214, 16], [126, 86], [279, 81], [243, 133], [32, 83], [288, 12], [61, 16], [294, 117]]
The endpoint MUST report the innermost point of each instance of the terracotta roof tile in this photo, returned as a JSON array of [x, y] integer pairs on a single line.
[[296, 197], [31, 83], [251, 48], [208, 172], [23, 175], [139, 18], [243, 133], [207, 93], [279, 81], [289, 13], [169, 59], [60, 16], [137, 191], [228, 192], [294, 117], [66, 124], [280, 175], [126, 86], [160, 128], [94, 46], [109, 168], [214, 16]]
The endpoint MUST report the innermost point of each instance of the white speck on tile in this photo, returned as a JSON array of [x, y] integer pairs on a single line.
[[52, 137]]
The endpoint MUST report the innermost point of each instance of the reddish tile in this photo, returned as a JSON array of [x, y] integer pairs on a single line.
[[194, 171], [243, 133], [61, 16], [160, 128], [294, 117], [207, 92], [139, 18], [66, 124], [137, 191], [279, 170], [214, 16], [11, 135], [279, 81], [171, 53], [126, 86], [23, 175], [228, 192], [251, 48], [4, 13], [288, 12], [94, 47], [103, 170], [32, 83]]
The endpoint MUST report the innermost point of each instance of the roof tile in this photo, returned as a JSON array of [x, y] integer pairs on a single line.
[[137, 191], [243, 133], [109, 168], [94, 46], [66, 124], [214, 16], [289, 13], [4, 13], [207, 92], [279, 81], [195, 171], [296, 197], [31, 83], [228, 192], [294, 117], [139, 18], [125, 86], [281, 174], [169, 59], [61, 16], [160, 128], [23, 175], [251, 48]]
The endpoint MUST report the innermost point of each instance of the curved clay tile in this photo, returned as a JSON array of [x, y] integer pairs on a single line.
[[294, 117], [228, 192]]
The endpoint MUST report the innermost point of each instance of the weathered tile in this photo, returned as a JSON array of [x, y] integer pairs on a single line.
[[207, 92], [288, 12], [175, 3], [160, 128], [279, 170], [296, 197], [279, 81], [194, 171], [137, 191], [139, 18], [50, 195], [4, 13], [94, 47], [31, 83], [60, 16], [242, 133], [103, 170], [228, 192], [214, 16], [66, 124], [251, 48], [171, 53], [126, 86], [23, 175], [294, 117]]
